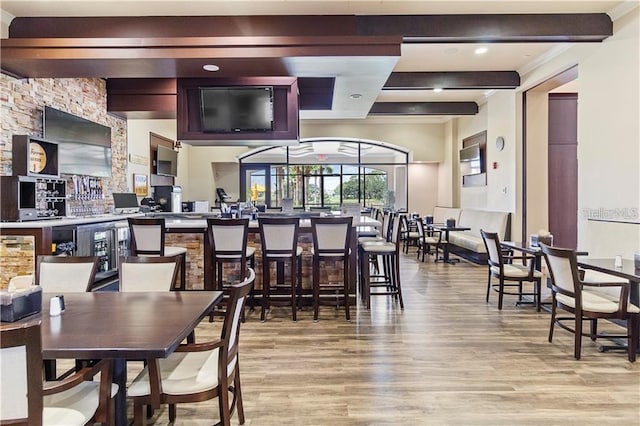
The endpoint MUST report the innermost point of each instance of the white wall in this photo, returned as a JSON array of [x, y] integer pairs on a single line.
[[608, 135], [423, 188], [609, 143], [501, 181], [537, 161], [205, 163]]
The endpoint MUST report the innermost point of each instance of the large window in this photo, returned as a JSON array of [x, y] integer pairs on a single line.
[[325, 174]]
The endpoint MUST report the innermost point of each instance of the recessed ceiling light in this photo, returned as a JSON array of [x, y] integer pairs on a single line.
[[210, 67], [437, 89], [481, 50], [355, 96]]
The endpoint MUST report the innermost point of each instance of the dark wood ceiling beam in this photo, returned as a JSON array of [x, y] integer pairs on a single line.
[[469, 28], [453, 80], [488, 28], [424, 108]]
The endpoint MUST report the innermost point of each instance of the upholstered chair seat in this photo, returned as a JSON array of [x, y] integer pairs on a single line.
[[75, 406], [592, 301], [516, 271]]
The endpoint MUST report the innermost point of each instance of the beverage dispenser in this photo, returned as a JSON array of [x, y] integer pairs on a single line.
[[169, 198]]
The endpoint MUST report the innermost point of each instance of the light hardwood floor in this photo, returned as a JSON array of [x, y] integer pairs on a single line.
[[448, 358]]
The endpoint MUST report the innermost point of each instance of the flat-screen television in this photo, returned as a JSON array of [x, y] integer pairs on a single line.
[[84, 147], [236, 109], [167, 162], [471, 160]]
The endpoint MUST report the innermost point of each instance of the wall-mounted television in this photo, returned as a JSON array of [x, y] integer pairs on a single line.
[[236, 109], [471, 160], [84, 147], [166, 162]]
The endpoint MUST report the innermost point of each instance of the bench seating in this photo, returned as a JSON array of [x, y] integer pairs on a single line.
[[469, 244]]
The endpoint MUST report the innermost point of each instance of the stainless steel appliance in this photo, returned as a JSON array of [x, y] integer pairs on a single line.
[[32, 198], [169, 198]]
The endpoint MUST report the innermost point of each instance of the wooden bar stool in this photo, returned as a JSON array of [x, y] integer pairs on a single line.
[[279, 240], [228, 239], [390, 279], [147, 239], [331, 242]]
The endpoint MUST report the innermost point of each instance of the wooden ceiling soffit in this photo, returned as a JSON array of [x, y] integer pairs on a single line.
[[152, 98], [453, 80], [560, 27], [487, 28], [142, 98], [161, 57], [424, 108]]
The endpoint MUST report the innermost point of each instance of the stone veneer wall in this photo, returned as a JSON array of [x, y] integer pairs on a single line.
[[23, 100]]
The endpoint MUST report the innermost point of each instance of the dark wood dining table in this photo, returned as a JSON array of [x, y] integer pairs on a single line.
[[446, 229], [628, 271], [121, 327]]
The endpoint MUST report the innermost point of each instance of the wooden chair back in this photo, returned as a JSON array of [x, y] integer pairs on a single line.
[[147, 236], [492, 244], [148, 273], [278, 235], [331, 235], [60, 274], [563, 270]]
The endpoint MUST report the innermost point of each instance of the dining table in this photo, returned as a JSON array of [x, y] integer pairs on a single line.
[[445, 251], [121, 327], [626, 270]]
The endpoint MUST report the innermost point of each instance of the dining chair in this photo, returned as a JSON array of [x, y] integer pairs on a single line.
[[410, 235], [60, 274], [331, 242], [26, 399], [279, 243], [198, 371], [510, 275], [148, 239], [387, 283], [586, 301], [65, 274], [143, 273], [428, 239]]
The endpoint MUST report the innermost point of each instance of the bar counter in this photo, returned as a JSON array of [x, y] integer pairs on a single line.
[[21, 242]]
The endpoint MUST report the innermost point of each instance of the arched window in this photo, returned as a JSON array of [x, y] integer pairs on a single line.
[[324, 173]]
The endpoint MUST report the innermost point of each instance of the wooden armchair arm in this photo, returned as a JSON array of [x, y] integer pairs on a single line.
[[86, 373], [199, 347], [623, 301]]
